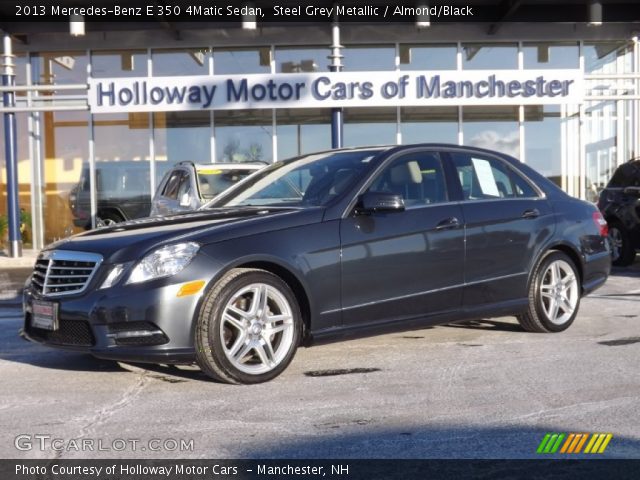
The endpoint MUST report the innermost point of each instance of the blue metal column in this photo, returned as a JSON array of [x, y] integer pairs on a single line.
[[337, 115], [11, 156]]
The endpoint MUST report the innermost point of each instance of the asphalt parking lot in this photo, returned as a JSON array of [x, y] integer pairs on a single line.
[[483, 389]]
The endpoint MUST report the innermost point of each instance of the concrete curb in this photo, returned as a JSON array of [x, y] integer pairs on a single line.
[[27, 260]]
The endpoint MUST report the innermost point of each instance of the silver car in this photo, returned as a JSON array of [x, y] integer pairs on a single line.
[[189, 185]]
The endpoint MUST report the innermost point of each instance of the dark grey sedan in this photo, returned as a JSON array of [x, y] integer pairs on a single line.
[[324, 247]]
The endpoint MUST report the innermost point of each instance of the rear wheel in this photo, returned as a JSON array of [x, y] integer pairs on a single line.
[[622, 249], [249, 327], [554, 295]]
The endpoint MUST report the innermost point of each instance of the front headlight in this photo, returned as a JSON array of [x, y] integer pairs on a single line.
[[164, 262]]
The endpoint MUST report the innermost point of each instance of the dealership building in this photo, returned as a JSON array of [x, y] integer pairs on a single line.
[[563, 97]]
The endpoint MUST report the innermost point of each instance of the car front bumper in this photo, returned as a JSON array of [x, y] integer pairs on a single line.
[[145, 322]]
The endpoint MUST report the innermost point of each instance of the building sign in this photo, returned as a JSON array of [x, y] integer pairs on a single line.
[[343, 89]]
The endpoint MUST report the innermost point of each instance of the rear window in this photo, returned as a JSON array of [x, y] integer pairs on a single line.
[[484, 178]]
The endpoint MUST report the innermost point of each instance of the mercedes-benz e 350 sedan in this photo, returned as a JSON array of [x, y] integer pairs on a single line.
[[323, 247]]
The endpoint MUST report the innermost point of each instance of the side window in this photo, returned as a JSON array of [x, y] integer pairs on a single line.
[[185, 185], [483, 178], [417, 177], [171, 188], [522, 188]]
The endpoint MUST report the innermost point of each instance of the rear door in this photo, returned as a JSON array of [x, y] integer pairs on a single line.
[[506, 220]]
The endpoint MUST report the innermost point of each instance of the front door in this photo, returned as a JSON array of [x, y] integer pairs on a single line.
[[409, 263]]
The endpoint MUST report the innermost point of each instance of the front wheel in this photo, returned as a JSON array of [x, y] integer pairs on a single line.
[[554, 295], [249, 327]]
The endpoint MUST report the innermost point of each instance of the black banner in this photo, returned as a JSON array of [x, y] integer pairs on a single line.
[[331, 469], [318, 11]]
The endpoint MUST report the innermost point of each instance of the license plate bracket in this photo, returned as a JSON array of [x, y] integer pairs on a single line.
[[44, 315]]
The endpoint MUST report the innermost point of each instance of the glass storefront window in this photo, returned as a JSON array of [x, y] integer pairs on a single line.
[[429, 124], [607, 57], [541, 55], [182, 61], [123, 187], [302, 130], [369, 126], [243, 135], [61, 68], [65, 155], [301, 60], [369, 58], [118, 63], [542, 140], [181, 136], [602, 145], [432, 57], [237, 61], [489, 56], [495, 128]]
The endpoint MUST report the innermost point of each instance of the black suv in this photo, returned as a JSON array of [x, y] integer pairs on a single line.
[[619, 203], [122, 193]]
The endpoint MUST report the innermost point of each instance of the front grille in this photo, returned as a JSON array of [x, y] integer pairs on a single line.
[[69, 332], [62, 272]]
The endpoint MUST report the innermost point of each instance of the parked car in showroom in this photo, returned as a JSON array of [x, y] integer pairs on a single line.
[[319, 248], [190, 185], [619, 202]]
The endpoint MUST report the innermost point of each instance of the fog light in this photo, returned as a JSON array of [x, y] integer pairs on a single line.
[[190, 288]]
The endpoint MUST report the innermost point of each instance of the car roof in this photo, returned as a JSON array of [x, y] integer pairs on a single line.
[[230, 166]]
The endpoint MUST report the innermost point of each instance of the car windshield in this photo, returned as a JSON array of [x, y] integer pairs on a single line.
[[212, 181], [313, 180]]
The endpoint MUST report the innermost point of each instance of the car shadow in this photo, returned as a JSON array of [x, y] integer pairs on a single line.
[[172, 373], [484, 324], [349, 437], [14, 348], [632, 271]]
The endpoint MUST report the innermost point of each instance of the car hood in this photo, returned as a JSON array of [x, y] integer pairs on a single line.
[[130, 240]]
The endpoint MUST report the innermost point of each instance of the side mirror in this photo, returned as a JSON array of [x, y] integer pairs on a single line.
[[371, 202], [185, 200], [633, 191]]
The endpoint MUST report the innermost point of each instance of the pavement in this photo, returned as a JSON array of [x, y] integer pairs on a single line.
[[13, 273], [482, 389]]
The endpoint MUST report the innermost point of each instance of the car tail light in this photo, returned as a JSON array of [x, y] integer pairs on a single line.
[[601, 223]]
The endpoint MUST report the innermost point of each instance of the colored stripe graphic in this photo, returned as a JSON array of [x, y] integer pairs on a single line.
[[573, 443]]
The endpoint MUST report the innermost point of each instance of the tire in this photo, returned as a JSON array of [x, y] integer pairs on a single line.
[[554, 295], [232, 337], [107, 219], [623, 252]]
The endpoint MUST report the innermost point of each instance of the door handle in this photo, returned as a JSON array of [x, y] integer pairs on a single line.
[[448, 224], [531, 213]]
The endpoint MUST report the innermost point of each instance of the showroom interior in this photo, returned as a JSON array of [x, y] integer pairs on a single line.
[[576, 145]]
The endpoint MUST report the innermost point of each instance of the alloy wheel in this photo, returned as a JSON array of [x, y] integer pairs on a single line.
[[559, 292], [257, 328]]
